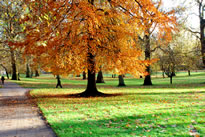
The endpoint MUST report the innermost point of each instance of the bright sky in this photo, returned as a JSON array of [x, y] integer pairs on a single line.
[[192, 10]]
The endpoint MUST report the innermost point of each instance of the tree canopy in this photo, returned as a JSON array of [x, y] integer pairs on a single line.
[[64, 32], [69, 36]]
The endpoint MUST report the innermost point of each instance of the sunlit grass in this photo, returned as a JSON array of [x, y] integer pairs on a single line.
[[156, 111]]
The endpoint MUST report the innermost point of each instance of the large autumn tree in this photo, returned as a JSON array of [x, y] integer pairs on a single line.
[[78, 35]]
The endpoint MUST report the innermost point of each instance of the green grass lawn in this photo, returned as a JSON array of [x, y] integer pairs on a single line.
[[156, 111]]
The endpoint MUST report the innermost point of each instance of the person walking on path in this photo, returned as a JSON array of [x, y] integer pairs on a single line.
[[58, 82], [2, 80]]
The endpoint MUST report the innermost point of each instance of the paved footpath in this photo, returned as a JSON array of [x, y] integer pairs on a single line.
[[18, 117]]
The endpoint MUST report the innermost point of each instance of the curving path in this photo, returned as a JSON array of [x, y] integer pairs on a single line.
[[18, 117]]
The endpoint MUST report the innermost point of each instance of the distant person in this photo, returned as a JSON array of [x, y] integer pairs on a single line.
[[58, 82], [2, 80]]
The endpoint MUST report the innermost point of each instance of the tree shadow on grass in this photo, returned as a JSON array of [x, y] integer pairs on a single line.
[[144, 125], [114, 94], [77, 95]]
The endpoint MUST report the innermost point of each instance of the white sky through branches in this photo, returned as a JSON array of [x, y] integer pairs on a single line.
[[191, 12]]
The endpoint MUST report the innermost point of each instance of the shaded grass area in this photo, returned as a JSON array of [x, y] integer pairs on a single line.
[[156, 111]]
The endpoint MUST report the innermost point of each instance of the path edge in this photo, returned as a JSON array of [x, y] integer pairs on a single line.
[[40, 112]]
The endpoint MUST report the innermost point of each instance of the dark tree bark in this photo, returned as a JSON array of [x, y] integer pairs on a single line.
[[121, 81], [13, 65], [91, 90], [84, 75], [31, 74], [36, 73], [147, 80], [27, 71], [189, 72], [7, 73], [100, 77], [202, 26]]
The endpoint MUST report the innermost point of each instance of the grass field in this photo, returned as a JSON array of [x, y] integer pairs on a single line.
[[156, 111]]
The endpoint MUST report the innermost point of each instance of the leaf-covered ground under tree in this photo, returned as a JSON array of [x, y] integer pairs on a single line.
[[156, 111]]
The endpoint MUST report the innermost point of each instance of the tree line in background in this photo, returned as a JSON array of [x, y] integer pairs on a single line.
[[115, 36]]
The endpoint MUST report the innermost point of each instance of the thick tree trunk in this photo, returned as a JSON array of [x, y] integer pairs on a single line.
[[189, 73], [84, 75], [203, 52], [121, 81], [27, 71], [147, 80], [91, 90], [13, 65], [7, 73], [36, 73], [202, 37], [100, 77]]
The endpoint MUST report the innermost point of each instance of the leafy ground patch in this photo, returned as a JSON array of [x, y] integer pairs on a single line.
[[159, 110]]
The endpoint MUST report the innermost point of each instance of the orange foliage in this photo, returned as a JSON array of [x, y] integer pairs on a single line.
[[61, 33]]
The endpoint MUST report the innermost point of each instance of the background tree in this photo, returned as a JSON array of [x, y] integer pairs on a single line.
[[84, 75], [121, 81], [154, 27], [182, 53], [100, 77], [199, 31], [202, 26], [171, 60], [10, 27]]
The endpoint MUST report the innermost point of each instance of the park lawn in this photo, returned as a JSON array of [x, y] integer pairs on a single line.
[[156, 111]]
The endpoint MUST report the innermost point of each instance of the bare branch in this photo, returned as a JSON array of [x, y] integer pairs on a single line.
[[153, 50], [190, 30]]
